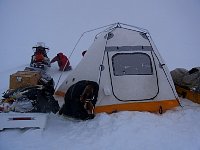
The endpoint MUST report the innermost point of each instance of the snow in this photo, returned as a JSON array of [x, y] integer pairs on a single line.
[[175, 129], [175, 29]]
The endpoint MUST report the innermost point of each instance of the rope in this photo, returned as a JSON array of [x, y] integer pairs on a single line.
[[164, 69], [110, 25], [142, 29]]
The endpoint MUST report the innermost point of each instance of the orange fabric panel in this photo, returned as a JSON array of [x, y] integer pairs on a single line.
[[134, 106], [139, 106]]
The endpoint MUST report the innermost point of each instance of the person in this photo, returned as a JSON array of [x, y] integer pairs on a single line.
[[80, 100], [63, 62], [40, 56], [42, 50]]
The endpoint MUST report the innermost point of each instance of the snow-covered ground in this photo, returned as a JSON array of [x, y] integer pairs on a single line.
[[175, 29], [175, 129]]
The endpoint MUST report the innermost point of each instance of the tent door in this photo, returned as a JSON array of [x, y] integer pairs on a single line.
[[133, 75]]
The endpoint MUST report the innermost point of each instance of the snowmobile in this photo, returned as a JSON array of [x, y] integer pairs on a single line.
[[40, 59]]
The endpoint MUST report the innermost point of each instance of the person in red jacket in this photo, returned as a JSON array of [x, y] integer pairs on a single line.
[[63, 62]]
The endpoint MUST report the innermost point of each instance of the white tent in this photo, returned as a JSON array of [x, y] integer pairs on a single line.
[[129, 70]]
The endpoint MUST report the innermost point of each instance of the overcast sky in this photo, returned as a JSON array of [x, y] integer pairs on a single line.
[[173, 25]]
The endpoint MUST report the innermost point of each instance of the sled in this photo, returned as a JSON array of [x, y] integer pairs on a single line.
[[23, 120], [28, 107], [189, 94]]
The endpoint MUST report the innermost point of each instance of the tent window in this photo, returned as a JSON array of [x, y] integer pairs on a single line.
[[131, 64]]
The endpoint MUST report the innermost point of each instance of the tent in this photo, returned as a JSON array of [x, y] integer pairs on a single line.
[[129, 71]]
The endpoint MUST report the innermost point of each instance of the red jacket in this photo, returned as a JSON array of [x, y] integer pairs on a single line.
[[39, 57], [62, 60]]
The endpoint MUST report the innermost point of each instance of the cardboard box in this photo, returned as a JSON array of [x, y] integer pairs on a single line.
[[24, 79]]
